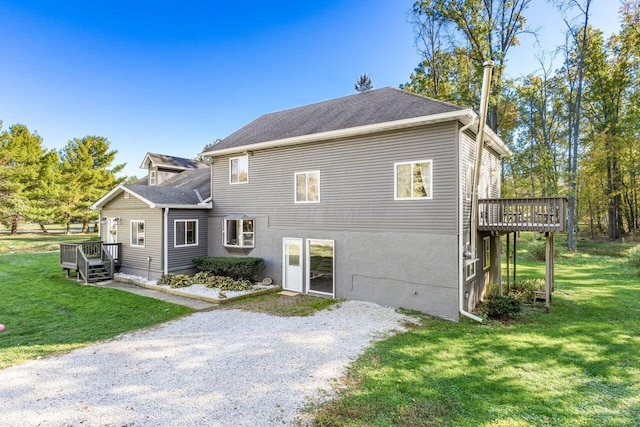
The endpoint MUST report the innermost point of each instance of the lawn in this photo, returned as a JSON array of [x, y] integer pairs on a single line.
[[44, 313], [578, 365]]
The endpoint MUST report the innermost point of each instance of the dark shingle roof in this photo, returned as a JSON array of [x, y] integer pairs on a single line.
[[177, 190], [172, 162], [376, 106]]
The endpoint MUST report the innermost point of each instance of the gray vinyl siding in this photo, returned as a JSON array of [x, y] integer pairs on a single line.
[[181, 258], [356, 183], [491, 166], [135, 259]]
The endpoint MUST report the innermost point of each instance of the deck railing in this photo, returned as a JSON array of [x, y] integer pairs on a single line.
[[543, 214]]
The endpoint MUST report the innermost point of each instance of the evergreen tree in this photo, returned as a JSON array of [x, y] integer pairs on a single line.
[[363, 83]]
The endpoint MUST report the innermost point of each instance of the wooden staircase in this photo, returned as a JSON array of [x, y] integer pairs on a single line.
[[97, 271]]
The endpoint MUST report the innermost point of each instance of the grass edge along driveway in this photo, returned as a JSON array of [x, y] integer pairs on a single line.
[[577, 366], [45, 314]]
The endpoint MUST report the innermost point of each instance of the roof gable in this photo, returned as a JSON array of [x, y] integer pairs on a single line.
[[165, 161], [362, 109]]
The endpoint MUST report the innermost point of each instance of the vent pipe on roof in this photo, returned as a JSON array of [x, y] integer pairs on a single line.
[[484, 103]]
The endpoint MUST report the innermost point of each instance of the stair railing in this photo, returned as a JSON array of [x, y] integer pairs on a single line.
[[107, 258], [83, 263]]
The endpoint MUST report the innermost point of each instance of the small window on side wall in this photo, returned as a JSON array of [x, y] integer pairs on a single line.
[[486, 242], [413, 180], [185, 232], [137, 233], [153, 177], [239, 170], [307, 187], [238, 233]]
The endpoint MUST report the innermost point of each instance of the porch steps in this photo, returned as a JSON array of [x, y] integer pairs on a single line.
[[98, 272]]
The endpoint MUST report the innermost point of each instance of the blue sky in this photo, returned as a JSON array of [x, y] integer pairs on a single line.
[[172, 76]]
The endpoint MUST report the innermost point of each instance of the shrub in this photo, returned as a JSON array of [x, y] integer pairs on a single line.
[[201, 277], [165, 279], [234, 267], [634, 256], [538, 249], [524, 290], [228, 284], [499, 307], [180, 281]]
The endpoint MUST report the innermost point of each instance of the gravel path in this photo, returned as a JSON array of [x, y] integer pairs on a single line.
[[218, 368]]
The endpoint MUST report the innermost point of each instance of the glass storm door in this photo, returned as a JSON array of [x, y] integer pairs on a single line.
[[112, 230], [292, 264], [320, 265]]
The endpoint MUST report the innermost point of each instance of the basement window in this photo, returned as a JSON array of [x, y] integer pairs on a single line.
[[237, 232]]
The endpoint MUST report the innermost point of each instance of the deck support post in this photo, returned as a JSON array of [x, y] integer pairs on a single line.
[[548, 271], [515, 255], [508, 263], [498, 252]]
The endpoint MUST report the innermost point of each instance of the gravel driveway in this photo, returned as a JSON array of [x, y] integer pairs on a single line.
[[218, 368]]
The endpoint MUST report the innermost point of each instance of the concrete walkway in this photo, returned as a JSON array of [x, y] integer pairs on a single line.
[[175, 299]]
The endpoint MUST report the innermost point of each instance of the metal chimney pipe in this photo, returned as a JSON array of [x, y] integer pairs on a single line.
[[484, 104]]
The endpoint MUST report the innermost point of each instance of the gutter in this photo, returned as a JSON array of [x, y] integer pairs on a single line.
[[165, 255], [461, 257]]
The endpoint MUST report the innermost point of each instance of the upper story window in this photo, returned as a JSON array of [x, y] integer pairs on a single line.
[[153, 177], [468, 181], [185, 232], [239, 170], [307, 187], [238, 232], [137, 233], [413, 180]]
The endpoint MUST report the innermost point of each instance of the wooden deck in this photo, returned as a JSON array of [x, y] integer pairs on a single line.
[[93, 261], [541, 214]]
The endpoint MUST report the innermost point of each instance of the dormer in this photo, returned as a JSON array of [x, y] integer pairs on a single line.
[[162, 167]]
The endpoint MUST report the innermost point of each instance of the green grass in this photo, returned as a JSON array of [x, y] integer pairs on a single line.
[[44, 313], [284, 306], [577, 366], [39, 242]]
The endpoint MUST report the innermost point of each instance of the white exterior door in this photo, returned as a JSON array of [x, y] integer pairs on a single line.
[[112, 230], [292, 264]]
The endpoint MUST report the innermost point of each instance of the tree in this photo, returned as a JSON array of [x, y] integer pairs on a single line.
[[363, 83], [21, 154], [480, 30], [88, 174], [576, 46]]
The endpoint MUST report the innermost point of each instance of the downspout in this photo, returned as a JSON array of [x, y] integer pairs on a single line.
[[461, 257], [484, 102], [165, 255]]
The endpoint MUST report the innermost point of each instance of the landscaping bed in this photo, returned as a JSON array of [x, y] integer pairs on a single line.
[[200, 291]]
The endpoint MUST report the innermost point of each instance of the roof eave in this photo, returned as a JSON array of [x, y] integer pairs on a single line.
[[113, 193], [348, 132], [175, 206]]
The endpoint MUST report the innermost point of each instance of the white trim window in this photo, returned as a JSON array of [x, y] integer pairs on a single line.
[[239, 170], [307, 187], [185, 232], [238, 233], [468, 181], [469, 264], [413, 180], [153, 177], [137, 233], [486, 243]]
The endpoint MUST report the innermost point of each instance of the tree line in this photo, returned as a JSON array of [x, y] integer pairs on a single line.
[[48, 186], [574, 129]]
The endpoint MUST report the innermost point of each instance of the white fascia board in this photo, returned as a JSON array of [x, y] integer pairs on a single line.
[[198, 206], [113, 193], [490, 136], [462, 115]]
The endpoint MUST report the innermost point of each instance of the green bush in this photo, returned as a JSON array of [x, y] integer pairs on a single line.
[[524, 290], [234, 267], [174, 280], [228, 284], [634, 256], [538, 249], [165, 279], [500, 307]]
